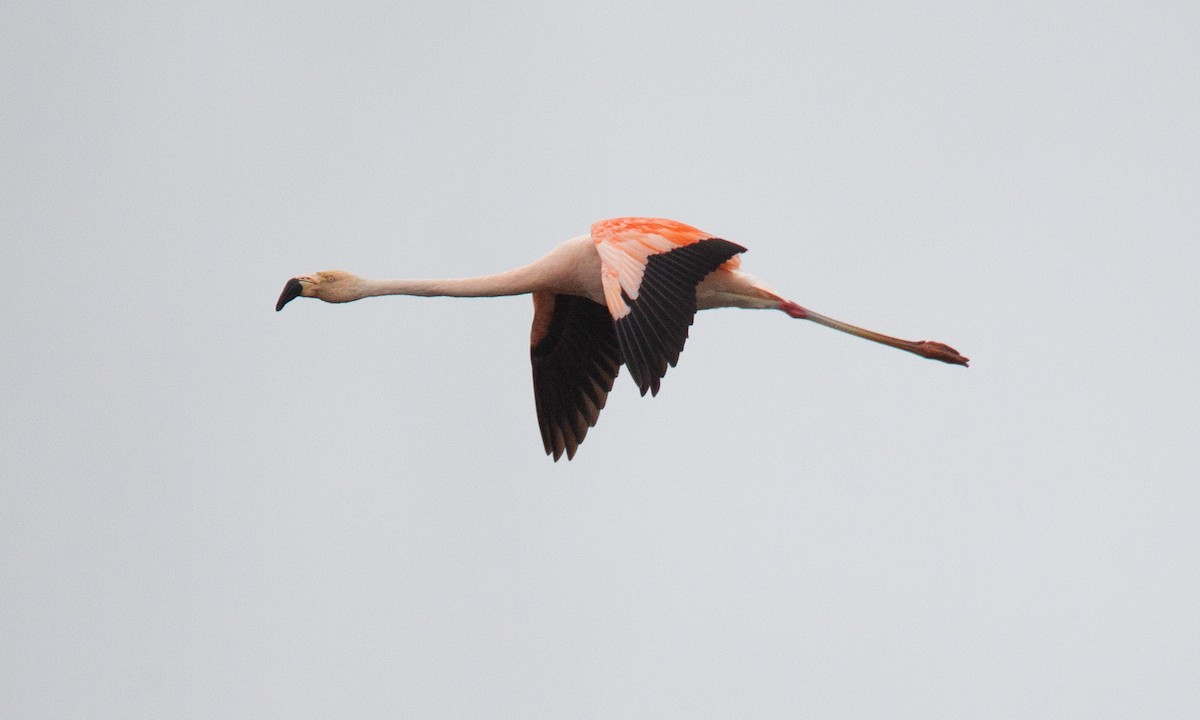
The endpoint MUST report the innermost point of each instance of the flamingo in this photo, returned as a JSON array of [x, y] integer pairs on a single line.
[[624, 294]]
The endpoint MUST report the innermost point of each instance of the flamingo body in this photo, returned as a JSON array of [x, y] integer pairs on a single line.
[[624, 294]]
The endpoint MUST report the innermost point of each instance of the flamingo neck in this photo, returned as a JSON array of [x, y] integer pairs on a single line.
[[513, 282]]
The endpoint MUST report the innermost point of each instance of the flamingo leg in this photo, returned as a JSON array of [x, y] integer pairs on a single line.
[[924, 348]]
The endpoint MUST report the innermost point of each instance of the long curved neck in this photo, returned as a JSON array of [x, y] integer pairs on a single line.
[[519, 281]]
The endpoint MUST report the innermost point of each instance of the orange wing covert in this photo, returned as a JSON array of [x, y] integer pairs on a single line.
[[650, 268], [626, 244]]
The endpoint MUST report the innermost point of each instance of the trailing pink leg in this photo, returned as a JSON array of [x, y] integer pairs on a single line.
[[924, 348]]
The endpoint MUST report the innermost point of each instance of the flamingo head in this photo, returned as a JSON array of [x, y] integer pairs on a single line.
[[335, 286]]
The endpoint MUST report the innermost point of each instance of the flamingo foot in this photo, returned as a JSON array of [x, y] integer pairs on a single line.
[[939, 351]]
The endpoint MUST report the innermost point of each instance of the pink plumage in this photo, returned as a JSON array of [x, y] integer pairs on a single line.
[[624, 295]]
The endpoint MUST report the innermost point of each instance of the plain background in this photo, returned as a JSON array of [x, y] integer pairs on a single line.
[[212, 510]]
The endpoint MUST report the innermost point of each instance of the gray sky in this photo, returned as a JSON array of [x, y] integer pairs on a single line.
[[212, 510]]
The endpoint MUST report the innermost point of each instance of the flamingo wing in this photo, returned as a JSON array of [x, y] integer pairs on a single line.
[[649, 270], [575, 359]]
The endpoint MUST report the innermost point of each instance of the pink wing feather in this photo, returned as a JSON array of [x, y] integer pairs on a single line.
[[626, 244], [649, 271]]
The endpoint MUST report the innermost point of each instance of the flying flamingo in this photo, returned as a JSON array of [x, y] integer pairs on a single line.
[[625, 294]]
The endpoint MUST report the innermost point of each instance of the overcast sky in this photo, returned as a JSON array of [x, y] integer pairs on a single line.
[[209, 509]]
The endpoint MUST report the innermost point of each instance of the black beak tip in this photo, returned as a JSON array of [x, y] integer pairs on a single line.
[[291, 291]]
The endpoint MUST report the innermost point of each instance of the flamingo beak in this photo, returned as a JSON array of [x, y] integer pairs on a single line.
[[291, 291]]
